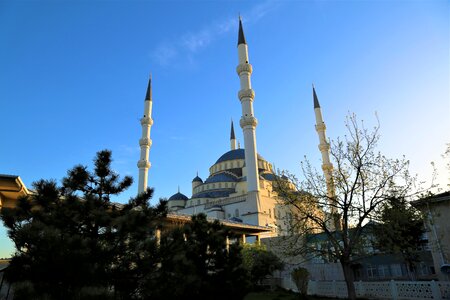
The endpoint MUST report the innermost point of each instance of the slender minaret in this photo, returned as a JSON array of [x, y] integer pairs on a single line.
[[145, 142], [232, 138], [248, 121], [327, 166]]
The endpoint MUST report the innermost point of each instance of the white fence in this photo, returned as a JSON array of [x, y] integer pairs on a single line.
[[396, 290]]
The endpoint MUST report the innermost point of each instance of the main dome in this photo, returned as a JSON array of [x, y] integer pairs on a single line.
[[234, 154]]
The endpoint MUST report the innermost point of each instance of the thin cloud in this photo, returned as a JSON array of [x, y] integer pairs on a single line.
[[191, 43]]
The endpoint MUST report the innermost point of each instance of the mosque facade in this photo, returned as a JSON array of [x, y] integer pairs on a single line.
[[240, 184]]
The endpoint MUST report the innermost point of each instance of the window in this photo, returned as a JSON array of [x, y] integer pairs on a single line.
[[372, 271], [236, 213], [198, 202], [274, 212], [270, 213], [383, 270], [396, 270]]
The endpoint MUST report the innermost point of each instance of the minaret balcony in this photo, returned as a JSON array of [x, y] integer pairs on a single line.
[[248, 121], [143, 164], [146, 121], [324, 147], [145, 142], [247, 93], [244, 68]]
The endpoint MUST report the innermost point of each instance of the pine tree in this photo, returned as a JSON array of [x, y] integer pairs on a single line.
[[197, 265], [72, 242]]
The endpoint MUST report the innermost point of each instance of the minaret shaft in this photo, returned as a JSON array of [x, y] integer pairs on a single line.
[[248, 121], [327, 166], [145, 142]]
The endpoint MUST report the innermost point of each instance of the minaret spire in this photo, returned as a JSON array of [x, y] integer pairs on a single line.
[[148, 96], [232, 137], [316, 101], [327, 166], [241, 37], [145, 142], [248, 122]]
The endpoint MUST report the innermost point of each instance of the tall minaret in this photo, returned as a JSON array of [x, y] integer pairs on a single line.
[[145, 142], [327, 166], [232, 138], [248, 121]]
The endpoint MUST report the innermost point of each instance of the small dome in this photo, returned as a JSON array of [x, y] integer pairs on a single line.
[[178, 196], [197, 179]]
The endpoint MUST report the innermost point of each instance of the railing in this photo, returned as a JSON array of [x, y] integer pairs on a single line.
[[395, 290], [225, 201]]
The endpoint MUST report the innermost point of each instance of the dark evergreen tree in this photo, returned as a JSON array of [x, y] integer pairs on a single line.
[[72, 242], [400, 231], [197, 265]]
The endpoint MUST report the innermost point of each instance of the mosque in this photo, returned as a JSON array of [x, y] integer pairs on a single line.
[[239, 187]]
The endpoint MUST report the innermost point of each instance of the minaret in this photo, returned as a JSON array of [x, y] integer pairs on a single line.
[[145, 142], [327, 166], [248, 121], [232, 138]]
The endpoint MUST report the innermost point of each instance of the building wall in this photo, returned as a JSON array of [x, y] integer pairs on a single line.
[[438, 225]]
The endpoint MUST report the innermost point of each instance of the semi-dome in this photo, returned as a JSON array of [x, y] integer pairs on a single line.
[[178, 196], [234, 154]]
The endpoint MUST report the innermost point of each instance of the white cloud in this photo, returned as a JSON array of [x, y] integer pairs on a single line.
[[191, 43]]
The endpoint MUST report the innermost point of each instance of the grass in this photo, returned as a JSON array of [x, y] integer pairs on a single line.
[[279, 295]]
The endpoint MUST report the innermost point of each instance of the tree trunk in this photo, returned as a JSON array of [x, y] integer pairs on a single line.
[[349, 278]]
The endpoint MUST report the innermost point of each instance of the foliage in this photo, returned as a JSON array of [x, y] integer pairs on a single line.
[[300, 276], [361, 181], [400, 230], [197, 265], [259, 262], [72, 242]]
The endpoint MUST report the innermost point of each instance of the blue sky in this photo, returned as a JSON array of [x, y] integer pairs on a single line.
[[73, 76]]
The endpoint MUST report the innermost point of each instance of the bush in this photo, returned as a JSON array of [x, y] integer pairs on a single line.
[[300, 276]]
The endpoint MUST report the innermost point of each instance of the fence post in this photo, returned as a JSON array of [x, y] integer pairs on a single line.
[[311, 287], [394, 292], [362, 289], [435, 290]]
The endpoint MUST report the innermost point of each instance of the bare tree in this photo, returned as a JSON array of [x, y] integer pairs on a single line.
[[362, 180]]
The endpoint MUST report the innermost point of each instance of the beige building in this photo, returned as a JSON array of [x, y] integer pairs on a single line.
[[11, 188], [436, 210]]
